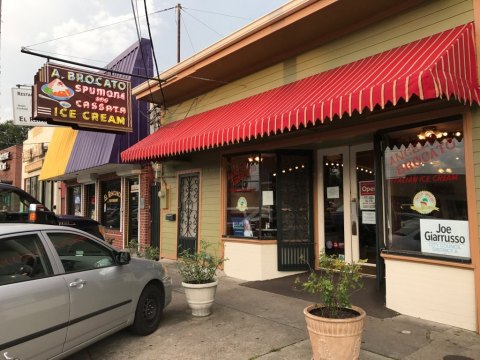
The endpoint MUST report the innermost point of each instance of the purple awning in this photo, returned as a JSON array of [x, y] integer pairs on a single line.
[[92, 149]]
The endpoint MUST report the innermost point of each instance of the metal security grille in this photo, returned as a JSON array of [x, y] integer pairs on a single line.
[[294, 210], [188, 195]]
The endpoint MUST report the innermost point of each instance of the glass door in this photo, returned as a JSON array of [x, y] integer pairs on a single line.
[[362, 204], [346, 190]]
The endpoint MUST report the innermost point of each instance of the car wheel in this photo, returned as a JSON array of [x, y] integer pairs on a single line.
[[149, 310]]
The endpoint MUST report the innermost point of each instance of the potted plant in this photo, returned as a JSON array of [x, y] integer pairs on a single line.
[[151, 253], [198, 271], [335, 326], [133, 247]]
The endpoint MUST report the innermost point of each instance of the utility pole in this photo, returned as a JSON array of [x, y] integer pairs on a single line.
[[179, 8]]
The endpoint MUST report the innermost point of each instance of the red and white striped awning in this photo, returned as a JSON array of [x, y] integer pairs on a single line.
[[440, 66]]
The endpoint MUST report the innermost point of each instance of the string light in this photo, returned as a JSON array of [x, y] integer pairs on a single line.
[[431, 133]]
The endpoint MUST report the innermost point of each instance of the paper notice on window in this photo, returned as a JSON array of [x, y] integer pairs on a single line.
[[333, 192], [367, 195], [368, 217], [267, 197]]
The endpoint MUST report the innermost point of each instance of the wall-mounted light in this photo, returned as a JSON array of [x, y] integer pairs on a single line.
[[157, 171]]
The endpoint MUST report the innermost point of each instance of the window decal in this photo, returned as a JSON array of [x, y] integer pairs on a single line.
[[424, 202]]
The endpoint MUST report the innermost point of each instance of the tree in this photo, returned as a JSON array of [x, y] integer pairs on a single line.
[[11, 134]]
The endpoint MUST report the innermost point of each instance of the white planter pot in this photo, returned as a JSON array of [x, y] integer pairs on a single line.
[[200, 297]]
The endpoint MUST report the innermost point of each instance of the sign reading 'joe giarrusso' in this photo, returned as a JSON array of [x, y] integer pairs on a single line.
[[82, 99]]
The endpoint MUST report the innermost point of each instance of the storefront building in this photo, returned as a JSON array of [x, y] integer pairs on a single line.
[[345, 127], [11, 165], [97, 184], [34, 150]]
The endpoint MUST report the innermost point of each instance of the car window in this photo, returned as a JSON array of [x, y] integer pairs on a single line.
[[22, 258], [79, 253], [11, 201]]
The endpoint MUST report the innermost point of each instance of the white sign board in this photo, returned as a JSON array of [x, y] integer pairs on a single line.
[[22, 108], [445, 237], [333, 192], [368, 217], [267, 197]]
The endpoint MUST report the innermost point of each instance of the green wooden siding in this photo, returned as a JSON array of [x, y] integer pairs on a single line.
[[476, 158], [427, 19], [209, 212]]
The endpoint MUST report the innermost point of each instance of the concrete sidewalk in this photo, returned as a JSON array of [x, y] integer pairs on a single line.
[[252, 324]]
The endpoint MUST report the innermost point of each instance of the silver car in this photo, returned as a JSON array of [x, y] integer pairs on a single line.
[[61, 289]]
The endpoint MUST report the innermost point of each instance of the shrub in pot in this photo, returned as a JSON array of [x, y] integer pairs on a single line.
[[151, 253], [133, 247], [198, 273], [335, 326]]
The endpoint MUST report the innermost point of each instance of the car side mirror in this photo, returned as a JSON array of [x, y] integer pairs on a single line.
[[123, 257]]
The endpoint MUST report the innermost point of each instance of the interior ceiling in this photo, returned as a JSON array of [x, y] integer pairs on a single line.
[[317, 27]]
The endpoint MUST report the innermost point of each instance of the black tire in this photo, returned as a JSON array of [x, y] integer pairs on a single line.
[[149, 310]]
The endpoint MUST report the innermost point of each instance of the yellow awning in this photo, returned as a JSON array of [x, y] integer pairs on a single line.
[[58, 153]]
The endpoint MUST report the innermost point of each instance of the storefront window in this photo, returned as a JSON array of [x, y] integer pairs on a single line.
[[111, 195], [47, 189], [425, 191], [74, 200], [251, 211], [90, 189], [31, 186]]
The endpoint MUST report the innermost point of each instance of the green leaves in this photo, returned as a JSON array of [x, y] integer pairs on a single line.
[[201, 267], [11, 134], [334, 282]]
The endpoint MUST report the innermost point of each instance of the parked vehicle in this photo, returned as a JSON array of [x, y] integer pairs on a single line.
[[62, 289], [16, 205]]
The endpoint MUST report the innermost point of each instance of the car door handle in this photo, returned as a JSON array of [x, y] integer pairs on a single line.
[[78, 283]]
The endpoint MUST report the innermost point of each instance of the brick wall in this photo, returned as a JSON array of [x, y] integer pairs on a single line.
[[14, 163], [115, 237], [146, 180]]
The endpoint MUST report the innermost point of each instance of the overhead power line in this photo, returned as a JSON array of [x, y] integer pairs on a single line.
[[74, 57], [27, 51], [153, 53], [201, 22], [217, 13], [139, 36], [95, 28]]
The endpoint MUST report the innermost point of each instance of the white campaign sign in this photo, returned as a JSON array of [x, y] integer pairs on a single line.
[[445, 237]]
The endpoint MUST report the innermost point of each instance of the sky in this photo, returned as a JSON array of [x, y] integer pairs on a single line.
[[63, 29]]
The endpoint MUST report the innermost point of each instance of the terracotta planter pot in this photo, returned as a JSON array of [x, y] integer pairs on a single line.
[[335, 339], [200, 297]]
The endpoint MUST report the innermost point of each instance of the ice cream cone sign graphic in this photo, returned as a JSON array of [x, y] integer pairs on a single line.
[[424, 202]]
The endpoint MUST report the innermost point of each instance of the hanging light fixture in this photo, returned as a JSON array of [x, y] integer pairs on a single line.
[[430, 133]]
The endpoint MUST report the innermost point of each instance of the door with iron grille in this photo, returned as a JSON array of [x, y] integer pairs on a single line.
[[188, 197], [295, 243]]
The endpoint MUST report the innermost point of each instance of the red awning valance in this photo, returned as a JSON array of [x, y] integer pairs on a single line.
[[440, 66]]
